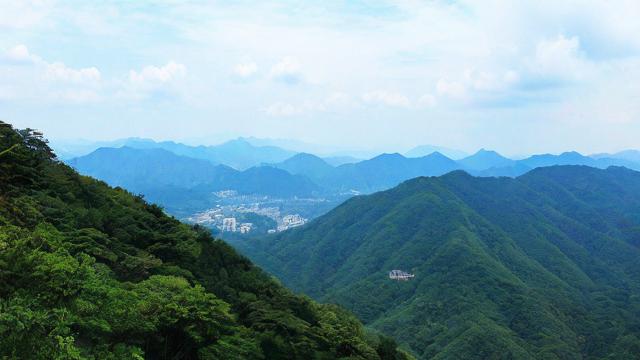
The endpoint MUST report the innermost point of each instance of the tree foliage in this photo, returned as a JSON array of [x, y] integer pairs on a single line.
[[92, 272]]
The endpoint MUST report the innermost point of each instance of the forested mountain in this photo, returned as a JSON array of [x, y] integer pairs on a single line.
[[154, 172], [92, 272], [543, 266]]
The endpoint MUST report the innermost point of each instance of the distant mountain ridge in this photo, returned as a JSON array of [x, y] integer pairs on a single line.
[[243, 153], [520, 167], [387, 170], [180, 177], [424, 150], [238, 154], [178, 180], [485, 159], [629, 155]]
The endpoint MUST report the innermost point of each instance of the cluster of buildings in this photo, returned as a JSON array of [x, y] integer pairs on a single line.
[[291, 221], [225, 218], [231, 225], [215, 218], [210, 218], [226, 193]]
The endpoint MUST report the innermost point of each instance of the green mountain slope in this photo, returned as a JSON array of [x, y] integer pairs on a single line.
[[92, 272], [544, 266]]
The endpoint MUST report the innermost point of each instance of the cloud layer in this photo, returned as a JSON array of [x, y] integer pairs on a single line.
[[516, 76]]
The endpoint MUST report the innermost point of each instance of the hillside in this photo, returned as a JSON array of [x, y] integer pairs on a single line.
[[92, 272], [544, 266]]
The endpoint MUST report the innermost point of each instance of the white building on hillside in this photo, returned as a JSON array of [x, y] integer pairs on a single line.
[[400, 275], [229, 224]]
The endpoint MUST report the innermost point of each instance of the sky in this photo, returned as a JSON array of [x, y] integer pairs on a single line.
[[519, 77]]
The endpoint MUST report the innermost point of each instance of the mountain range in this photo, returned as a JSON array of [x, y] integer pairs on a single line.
[[542, 266], [180, 177], [181, 183], [424, 150], [238, 154], [387, 170]]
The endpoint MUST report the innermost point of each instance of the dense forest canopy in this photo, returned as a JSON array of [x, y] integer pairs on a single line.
[[89, 271], [544, 266]]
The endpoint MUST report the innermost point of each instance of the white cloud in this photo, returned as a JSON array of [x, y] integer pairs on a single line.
[[157, 75], [559, 57], [427, 100], [245, 69], [394, 99], [287, 70], [336, 101], [153, 80], [479, 86], [60, 72], [282, 109], [23, 14], [339, 99], [489, 81], [37, 79], [20, 54], [451, 89]]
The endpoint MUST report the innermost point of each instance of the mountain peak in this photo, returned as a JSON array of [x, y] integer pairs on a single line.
[[485, 159], [389, 156]]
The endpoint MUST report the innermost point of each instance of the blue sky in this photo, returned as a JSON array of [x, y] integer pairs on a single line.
[[516, 76]]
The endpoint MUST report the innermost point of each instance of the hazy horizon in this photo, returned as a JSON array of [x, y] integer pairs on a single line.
[[519, 78], [319, 149]]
